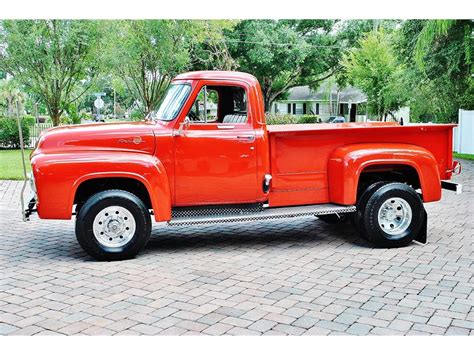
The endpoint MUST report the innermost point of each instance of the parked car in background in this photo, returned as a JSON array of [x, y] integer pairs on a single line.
[[336, 119], [98, 117]]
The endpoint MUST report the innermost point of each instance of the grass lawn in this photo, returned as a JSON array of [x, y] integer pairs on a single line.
[[463, 156], [10, 164]]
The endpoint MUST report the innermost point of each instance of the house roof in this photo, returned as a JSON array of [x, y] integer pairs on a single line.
[[304, 93]]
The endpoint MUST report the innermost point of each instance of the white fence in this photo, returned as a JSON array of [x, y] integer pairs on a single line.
[[35, 131], [463, 135]]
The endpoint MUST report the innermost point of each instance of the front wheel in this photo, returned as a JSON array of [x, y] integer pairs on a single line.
[[393, 215], [113, 225]]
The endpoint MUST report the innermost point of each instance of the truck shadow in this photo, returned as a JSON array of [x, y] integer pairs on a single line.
[[289, 233]]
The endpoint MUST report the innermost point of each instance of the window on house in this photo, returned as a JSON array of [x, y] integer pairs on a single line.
[[298, 109], [317, 108], [289, 108]]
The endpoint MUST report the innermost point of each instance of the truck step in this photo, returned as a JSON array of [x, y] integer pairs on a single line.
[[252, 214]]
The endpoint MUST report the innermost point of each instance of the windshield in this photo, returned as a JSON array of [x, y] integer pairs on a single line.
[[172, 102]]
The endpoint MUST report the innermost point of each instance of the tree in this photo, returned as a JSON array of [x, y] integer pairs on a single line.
[[208, 47], [50, 57], [283, 54], [437, 55], [373, 67], [277, 53], [11, 97], [147, 54]]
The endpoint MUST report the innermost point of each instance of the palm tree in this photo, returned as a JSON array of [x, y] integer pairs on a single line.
[[12, 96]]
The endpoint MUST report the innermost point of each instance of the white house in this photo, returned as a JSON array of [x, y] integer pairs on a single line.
[[328, 100]]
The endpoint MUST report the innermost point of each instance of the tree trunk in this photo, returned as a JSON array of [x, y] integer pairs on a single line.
[[56, 119], [55, 115], [267, 103]]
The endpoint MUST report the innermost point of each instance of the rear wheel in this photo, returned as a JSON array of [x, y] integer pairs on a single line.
[[393, 215], [361, 203], [113, 225]]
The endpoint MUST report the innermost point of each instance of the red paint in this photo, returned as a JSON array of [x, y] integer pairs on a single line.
[[311, 163]]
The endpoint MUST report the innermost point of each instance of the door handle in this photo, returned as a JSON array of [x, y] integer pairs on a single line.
[[249, 137], [225, 127]]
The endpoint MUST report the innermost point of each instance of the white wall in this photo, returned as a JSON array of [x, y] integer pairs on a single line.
[[403, 112], [463, 134]]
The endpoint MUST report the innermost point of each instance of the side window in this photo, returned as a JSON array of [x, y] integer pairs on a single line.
[[220, 104], [204, 109]]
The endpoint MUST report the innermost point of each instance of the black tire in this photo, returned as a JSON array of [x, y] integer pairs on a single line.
[[392, 193], [340, 218], [356, 219], [97, 203]]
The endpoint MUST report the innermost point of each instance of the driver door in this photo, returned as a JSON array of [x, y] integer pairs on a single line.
[[215, 150]]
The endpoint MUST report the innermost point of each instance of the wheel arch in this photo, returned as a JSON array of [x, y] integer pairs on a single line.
[[348, 164], [151, 175], [157, 189]]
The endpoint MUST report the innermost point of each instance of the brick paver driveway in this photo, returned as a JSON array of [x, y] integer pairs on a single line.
[[288, 277]]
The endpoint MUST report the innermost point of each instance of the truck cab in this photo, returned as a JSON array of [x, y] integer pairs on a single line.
[[206, 155], [218, 137]]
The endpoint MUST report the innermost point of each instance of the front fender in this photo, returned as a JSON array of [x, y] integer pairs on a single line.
[[58, 176], [346, 164]]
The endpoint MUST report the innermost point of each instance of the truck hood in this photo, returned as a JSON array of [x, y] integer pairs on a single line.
[[123, 136]]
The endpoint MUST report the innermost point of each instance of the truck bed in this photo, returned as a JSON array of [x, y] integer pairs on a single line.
[[299, 153]]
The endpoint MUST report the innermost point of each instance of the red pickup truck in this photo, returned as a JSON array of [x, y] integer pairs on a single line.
[[207, 156]]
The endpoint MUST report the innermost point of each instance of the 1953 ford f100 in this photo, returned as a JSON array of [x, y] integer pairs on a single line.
[[207, 156]]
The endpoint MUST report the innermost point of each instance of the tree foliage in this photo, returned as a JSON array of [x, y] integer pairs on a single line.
[[146, 55], [208, 46], [438, 59], [59, 64], [279, 53], [50, 57], [373, 67]]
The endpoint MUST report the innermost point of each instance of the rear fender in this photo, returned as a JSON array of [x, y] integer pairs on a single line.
[[346, 164]]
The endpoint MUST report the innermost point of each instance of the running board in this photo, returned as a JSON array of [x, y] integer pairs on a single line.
[[265, 214]]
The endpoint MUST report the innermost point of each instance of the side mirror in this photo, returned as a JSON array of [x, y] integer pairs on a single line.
[[182, 126]]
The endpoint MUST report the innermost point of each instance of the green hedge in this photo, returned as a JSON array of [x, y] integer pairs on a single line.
[[9, 136], [309, 119], [29, 120], [277, 118]]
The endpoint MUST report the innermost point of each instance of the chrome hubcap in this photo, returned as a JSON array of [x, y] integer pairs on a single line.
[[114, 226], [395, 216]]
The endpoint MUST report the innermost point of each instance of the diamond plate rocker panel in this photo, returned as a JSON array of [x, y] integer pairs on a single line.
[[266, 214]]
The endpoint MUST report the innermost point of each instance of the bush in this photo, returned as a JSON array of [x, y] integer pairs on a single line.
[[73, 115], [137, 115], [85, 116], [66, 120], [309, 119], [29, 120], [9, 136], [279, 118]]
